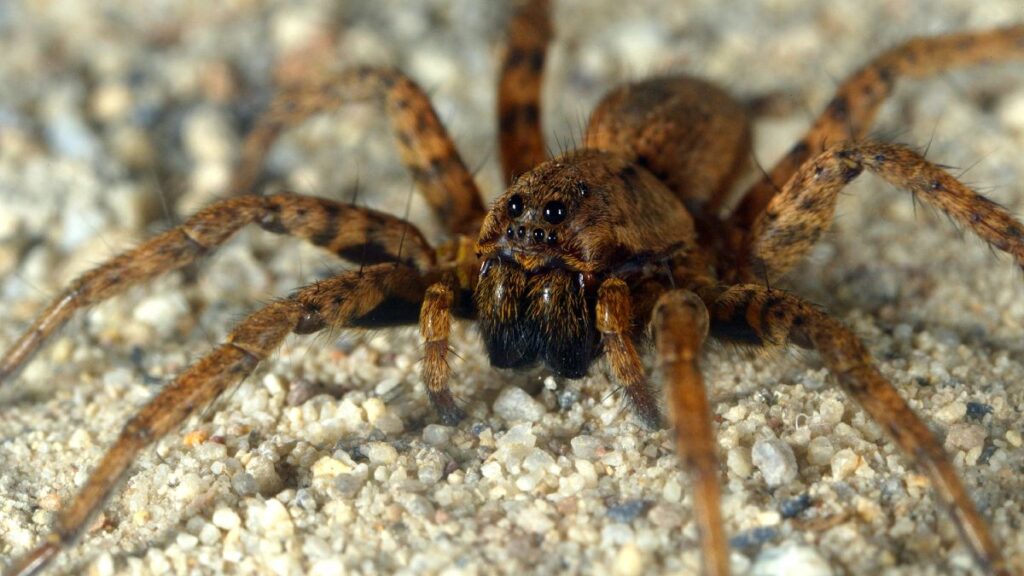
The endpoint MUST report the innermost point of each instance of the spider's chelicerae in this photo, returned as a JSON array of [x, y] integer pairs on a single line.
[[630, 241]]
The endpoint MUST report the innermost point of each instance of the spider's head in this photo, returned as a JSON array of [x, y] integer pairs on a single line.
[[587, 211], [536, 220]]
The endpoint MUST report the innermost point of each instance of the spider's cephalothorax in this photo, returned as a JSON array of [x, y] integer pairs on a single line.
[[551, 240], [622, 244]]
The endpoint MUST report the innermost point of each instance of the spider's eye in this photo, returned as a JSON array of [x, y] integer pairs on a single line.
[[515, 206], [554, 212]]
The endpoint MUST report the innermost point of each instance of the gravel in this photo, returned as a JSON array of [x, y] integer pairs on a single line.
[[117, 120]]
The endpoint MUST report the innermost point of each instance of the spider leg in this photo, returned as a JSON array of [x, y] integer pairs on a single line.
[[852, 110], [751, 313], [680, 323], [355, 298], [797, 216], [519, 89], [358, 234], [435, 325], [615, 323], [425, 146]]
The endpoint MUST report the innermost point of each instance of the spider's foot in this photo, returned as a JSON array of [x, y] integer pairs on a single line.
[[446, 408], [641, 401]]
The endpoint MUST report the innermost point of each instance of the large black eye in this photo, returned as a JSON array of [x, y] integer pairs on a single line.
[[515, 206], [554, 212]]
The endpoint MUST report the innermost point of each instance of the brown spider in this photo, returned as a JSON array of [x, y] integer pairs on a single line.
[[587, 254]]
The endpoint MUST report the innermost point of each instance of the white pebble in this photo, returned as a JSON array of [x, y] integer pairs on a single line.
[[80, 440], [186, 541], [275, 520], [1014, 438], [208, 136], [226, 519], [515, 404], [844, 463], [964, 436], [161, 312], [1011, 110], [491, 471], [790, 560], [209, 535], [584, 446], [819, 451], [381, 453], [738, 463], [265, 475], [327, 567], [518, 436], [328, 467], [103, 565], [629, 561], [437, 435], [188, 488], [534, 520], [952, 412], [776, 461], [831, 412]]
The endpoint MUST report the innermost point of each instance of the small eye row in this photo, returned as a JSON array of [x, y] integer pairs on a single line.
[[554, 211], [538, 235]]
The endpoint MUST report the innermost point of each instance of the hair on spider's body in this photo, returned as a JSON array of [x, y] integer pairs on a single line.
[[622, 243]]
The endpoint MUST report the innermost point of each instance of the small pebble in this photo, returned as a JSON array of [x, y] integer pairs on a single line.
[[819, 451], [629, 561], [585, 446], [844, 462], [381, 453], [754, 538], [515, 404], [226, 519], [775, 459], [790, 560], [795, 506], [328, 467], [437, 435], [977, 410], [1014, 438], [627, 511], [965, 436], [244, 484]]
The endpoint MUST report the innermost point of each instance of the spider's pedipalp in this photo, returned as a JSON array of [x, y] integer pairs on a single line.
[[798, 215], [615, 323], [519, 89], [350, 299], [435, 326], [425, 146], [851, 112], [359, 234], [776, 317]]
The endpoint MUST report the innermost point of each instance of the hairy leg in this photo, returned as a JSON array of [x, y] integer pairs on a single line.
[[425, 146], [435, 326], [359, 234], [680, 325], [755, 314], [615, 323], [349, 299], [804, 208], [519, 89], [852, 111]]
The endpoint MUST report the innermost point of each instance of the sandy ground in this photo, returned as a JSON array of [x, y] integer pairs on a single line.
[[117, 120]]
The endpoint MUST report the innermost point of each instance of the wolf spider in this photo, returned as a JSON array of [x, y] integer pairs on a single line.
[[624, 242]]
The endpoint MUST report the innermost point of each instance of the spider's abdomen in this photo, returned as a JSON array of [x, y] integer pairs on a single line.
[[546, 316]]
